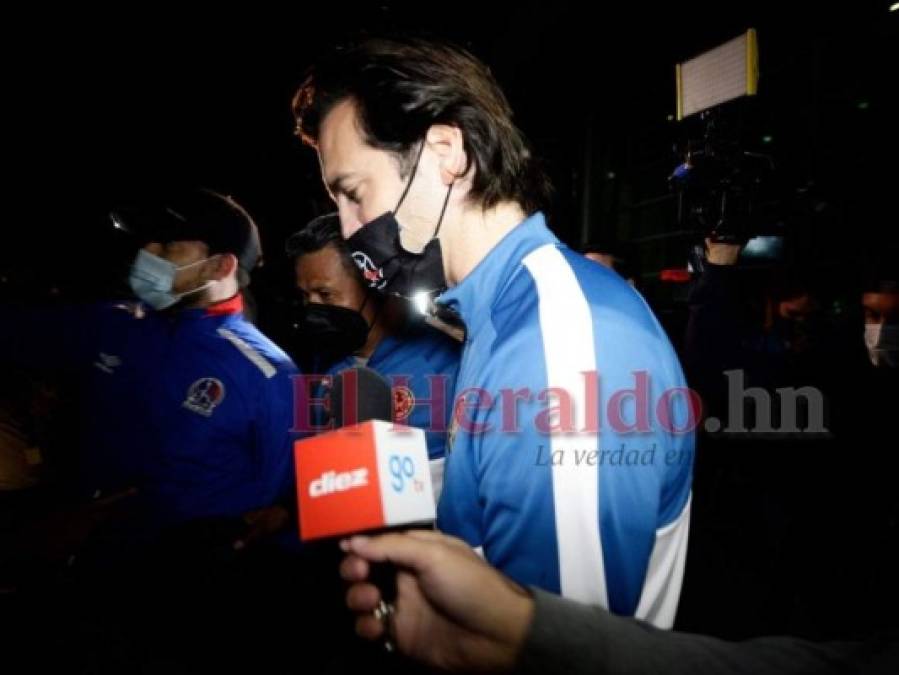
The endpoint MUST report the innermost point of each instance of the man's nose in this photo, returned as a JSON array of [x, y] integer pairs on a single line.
[[349, 220]]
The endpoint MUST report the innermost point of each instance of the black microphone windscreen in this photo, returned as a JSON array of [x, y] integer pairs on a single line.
[[360, 394]]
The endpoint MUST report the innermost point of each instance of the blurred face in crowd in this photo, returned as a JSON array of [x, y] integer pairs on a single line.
[[183, 254], [795, 322], [196, 269], [882, 327], [799, 308], [881, 308]]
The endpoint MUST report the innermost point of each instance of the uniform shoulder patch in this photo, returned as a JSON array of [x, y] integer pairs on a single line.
[[204, 395]]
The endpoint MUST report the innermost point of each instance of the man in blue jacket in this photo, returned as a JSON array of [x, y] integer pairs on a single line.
[[185, 400], [570, 463]]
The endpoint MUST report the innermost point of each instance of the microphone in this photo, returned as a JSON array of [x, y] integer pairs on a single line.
[[367, 475], [360, 394]]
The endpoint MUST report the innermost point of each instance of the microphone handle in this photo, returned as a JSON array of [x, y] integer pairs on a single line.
[[383, 576]]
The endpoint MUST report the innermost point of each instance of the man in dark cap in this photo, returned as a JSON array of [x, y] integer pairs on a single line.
[[186, 402]]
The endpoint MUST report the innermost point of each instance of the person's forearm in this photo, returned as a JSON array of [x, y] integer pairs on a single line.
[[568, 637]]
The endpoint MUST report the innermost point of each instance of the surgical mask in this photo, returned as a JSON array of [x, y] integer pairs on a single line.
[[152, 279], [386, 265], [882, 341]]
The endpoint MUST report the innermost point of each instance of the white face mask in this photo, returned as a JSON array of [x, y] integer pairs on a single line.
[[152, 279], [882, 341]]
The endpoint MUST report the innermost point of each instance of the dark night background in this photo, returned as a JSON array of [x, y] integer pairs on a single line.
[[112, 106]]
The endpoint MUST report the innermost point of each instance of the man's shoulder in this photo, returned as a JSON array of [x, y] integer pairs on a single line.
[[554, 297], [555, 275], [253, 350]]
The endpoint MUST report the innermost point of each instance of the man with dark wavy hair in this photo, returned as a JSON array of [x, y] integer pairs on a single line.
[[437, 188]]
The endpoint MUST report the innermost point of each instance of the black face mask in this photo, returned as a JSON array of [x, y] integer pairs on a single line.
[[333, 331], [388, 267]]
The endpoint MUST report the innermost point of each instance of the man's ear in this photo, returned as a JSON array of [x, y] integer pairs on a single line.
[[447, 143], [225, 266]]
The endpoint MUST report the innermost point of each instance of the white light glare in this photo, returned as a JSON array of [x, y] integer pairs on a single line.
[[421, 301]]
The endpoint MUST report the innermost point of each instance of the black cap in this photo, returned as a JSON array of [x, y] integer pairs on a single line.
[[198, 215]]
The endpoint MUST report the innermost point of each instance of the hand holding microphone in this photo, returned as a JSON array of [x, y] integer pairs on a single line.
[[368, 475], [453, 610]]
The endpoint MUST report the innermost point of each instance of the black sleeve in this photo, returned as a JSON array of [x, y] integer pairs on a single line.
[[571, 638], [719, 330], [715, 327]]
